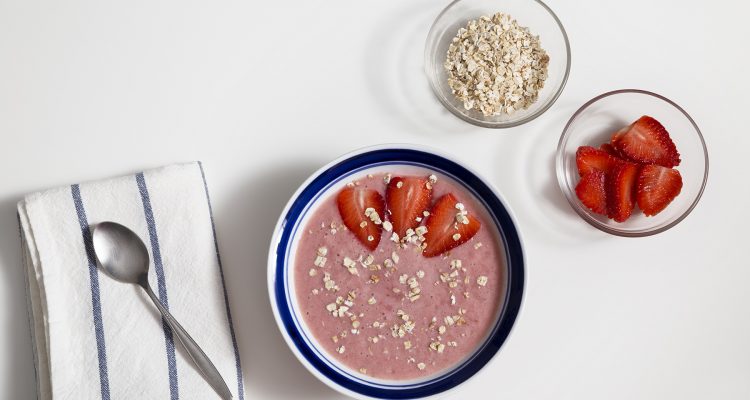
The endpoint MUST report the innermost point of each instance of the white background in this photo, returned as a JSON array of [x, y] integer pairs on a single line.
[[266, 92]]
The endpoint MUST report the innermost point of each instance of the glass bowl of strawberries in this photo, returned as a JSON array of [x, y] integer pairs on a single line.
[[632, 163]]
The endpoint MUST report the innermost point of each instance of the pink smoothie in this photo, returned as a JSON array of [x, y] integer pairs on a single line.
[[370, 318]]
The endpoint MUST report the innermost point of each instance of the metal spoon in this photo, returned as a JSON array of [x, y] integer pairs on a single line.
[[123, 256]]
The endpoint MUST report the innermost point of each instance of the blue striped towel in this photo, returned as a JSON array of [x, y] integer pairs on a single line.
[[95, 338]]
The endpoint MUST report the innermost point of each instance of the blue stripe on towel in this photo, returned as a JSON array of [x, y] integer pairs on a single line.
[[161, 283], [88, 244], [240, 387]]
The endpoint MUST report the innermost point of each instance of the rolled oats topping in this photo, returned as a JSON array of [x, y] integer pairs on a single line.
[[351, 266], [373, 215], [320, 257], [329, 283], [387, 226], [496, 66]]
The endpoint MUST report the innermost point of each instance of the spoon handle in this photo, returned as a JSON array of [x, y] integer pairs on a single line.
[[201, 360]]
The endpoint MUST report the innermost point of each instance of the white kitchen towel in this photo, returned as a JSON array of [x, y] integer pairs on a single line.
[[96, 338]]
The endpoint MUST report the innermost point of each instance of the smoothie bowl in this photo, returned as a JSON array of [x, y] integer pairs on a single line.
[[395, 272]]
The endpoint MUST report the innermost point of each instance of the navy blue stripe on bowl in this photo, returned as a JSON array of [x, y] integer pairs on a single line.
[[513, 251]]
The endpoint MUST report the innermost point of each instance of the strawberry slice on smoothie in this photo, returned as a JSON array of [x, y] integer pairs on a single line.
[[362, 211], [449, 225], [407, 198]]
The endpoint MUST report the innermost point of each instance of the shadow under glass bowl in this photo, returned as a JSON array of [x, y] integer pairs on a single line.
[[596, 121], [533, 14]]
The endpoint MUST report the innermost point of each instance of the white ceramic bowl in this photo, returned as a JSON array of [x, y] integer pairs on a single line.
[[283, 298]]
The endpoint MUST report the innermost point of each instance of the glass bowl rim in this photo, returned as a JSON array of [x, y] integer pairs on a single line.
[[479, 122], [560, 167]]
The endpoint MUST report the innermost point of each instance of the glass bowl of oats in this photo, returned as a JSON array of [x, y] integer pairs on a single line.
[[497, 63]]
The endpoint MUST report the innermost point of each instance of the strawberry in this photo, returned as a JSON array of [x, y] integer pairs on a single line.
[[646, 141], [353, 203], [445, 230], [590, 190], [621, 184], [407, 198], [590, 159], [606, 147], [657, 187]]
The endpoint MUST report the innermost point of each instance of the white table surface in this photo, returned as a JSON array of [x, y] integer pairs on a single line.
[[266, 92]]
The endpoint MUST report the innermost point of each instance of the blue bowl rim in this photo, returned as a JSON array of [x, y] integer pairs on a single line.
[[334, 172]]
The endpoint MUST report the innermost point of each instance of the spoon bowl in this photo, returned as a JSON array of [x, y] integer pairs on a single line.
[[121, 254]]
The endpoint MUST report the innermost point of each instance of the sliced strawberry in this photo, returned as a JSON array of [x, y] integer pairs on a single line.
[[621, 184], [445, 227], [407, 199], [353, 203], [657, 187], [590, 159], [590, 190], [606, 147], [646, 141]]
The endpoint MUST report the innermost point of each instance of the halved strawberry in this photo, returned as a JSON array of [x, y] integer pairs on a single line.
[[407, 199], [621, 184], [353, 203], [590, 159], [657, 187], [590, 190], [446, 229], [646, 141], [606, 147]]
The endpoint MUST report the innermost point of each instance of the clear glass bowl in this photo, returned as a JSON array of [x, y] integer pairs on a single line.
[[533, 14], [596, 121]]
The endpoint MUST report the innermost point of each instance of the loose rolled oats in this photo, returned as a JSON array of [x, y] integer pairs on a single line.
[[496, 66], [350, 266]]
